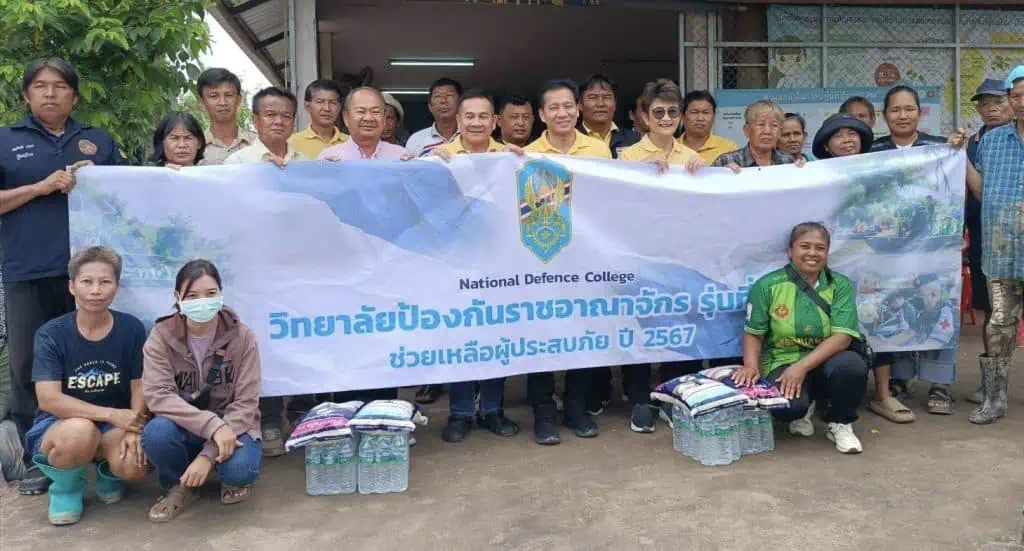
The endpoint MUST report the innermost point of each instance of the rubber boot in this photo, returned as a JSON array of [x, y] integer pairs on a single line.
[[109, 488], [978, 396], [995, 373], [66, 491]]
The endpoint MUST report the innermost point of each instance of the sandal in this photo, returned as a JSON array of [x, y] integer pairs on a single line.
[[892, 409], [229, 495], [900, 390], [940, 402], [171, 504]]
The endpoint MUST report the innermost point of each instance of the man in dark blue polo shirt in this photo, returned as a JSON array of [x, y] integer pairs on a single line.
[[38, 159]]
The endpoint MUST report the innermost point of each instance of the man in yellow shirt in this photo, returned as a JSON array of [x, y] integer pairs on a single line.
[[323, 103], [699, 120], [559, 110], [597, 114], [476, 120]]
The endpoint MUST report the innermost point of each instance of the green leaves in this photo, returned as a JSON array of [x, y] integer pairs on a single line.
[[134, 58]]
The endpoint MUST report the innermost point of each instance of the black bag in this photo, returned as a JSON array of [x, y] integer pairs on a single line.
[[201, 399], [858, 346]]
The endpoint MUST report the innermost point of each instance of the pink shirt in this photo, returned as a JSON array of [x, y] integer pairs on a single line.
[[349, 151]]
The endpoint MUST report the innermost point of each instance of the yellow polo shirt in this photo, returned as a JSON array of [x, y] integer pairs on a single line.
[[310, 144], [607, 138], [455, 146], [584, 146], [645, 150], [713, 147]]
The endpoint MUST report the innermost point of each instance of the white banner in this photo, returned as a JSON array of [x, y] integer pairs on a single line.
[[383, 274]]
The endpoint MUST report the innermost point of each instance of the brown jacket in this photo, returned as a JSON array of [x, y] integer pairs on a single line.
[[169, 368]]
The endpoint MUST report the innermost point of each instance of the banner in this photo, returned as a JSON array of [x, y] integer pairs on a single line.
[[815, 105], [382, 274]]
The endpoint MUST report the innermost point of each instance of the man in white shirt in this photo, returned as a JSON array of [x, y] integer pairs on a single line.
[[273, 114], [443, 104]]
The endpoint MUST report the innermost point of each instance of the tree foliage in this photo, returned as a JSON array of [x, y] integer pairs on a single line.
[[135, 58]]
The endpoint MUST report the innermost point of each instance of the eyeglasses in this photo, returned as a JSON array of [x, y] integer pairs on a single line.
[[660, 112]]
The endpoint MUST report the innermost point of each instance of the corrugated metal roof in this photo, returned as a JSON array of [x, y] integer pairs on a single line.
[[258, 27]]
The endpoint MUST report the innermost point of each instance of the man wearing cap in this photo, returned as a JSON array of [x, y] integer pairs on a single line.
[[393, 116], [994, 108], [997, 176]]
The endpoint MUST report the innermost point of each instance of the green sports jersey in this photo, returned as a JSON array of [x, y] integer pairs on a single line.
[[791, 323]]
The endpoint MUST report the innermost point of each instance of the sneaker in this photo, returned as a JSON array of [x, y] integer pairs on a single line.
[[584, 427], [842, 434], [499, 424], [273, 444], [34, 482], [545, 432], [665, 412], [456, 429], [804, 426], [642, 419]]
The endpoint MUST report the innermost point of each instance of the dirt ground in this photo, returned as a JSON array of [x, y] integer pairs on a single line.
[[939, 483]]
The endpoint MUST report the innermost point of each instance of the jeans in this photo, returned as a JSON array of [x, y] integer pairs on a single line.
[[171, 449], [842, 380], [933, 366], [30, 304], [460, 402], [635, 383], [271, 411]]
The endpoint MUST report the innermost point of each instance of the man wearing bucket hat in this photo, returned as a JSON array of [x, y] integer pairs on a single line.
[[997, 175], [992, 104], [393, 117]]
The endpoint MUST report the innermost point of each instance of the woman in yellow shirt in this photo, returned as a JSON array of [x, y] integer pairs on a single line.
[[661, 105]]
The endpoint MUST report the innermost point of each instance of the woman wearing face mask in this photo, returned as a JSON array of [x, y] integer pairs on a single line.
[[178, 141], [202, 383]]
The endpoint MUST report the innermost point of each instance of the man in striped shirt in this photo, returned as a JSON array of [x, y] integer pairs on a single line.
[[443, 104]]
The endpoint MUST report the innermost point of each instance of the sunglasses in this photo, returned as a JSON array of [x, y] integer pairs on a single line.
[[659, 113]]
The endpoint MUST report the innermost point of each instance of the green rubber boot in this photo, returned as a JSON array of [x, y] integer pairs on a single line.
[[109, 488], [66, 492]]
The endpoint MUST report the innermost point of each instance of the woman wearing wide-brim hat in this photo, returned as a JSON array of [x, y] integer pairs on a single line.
[[842, 135]]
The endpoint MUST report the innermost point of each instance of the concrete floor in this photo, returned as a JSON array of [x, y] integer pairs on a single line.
[[939, 483]]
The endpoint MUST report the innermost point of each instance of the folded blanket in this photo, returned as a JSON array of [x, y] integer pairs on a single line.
[[763, 394], [387, 416], [326, 421], [700, 395]]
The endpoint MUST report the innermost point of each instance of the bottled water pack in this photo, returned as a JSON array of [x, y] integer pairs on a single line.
[[383, 465], [331, 467], [722, 437]]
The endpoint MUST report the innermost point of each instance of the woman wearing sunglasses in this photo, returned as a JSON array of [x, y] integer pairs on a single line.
[[661, 105]]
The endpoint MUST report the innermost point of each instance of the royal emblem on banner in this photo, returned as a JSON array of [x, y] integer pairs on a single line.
[[545, 207]]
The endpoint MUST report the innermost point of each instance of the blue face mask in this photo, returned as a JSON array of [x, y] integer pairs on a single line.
[[201, 310]]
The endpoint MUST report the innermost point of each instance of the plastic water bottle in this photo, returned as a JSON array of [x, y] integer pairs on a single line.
[[397, 463], [367, 465], [750, 439], [767, 431], [735, 445], [677, 429]]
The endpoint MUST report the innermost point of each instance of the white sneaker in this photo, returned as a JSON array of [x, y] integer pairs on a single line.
[[803, 426], [842, 435]]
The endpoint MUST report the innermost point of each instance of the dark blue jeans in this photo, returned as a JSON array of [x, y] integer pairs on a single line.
[[460, 402], [171, 449]]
